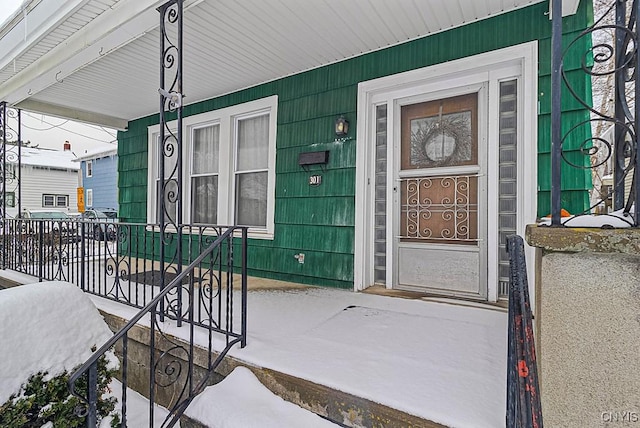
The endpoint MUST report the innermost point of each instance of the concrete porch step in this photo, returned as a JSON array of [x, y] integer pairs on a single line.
[[336, 406]]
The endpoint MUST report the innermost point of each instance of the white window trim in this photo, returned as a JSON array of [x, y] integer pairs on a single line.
[[89, 169], [439, 77], [55, 200], [89, 198], [226, 118], [44, 201], [66, 201]]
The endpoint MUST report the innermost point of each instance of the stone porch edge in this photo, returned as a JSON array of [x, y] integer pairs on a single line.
[[576, 240]]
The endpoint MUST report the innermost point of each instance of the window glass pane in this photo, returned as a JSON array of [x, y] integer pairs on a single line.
[[440, 133], [206, 147], [48, 200], [380, 228], [251, 199], [508, 177], [253, 143], [204, 199], [61, 201]]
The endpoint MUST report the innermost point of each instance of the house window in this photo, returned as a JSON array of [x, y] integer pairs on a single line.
[[205, 167], [89, 168], [228, 168], [89, 198], [10, 172], [252, 171], [10, 199], [55, 201]]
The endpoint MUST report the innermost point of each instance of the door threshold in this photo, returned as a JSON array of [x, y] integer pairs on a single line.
[[500, 306], [380, 290]]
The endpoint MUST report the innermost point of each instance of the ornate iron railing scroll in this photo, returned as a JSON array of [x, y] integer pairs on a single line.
[[170, 150], [612, 64], [10, 167], [174, 372]]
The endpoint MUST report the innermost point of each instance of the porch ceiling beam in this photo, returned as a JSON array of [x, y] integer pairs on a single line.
[[74, 114], [111, 30]]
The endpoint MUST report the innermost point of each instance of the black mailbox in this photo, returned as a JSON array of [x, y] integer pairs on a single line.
[[313, 158]]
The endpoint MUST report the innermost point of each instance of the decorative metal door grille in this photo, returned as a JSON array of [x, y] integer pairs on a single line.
[[440, 209]]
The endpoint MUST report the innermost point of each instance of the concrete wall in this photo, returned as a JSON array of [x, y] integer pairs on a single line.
[[588, 326]]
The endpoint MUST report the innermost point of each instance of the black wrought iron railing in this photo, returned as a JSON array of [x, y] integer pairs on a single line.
[[595, 141], [116, 261], [523, 397], [201, 294]]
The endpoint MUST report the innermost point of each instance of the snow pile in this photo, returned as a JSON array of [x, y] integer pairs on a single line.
[[45, 327], [241, 401], [614, 220], [137, 409]]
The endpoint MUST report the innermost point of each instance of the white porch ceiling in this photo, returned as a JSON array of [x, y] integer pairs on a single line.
[[99, 62]]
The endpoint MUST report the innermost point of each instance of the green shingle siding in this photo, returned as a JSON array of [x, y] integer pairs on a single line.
[[319, 220]]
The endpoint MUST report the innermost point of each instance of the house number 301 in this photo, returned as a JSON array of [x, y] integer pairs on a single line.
[[315, 180]]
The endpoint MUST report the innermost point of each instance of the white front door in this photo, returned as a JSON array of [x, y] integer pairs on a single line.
[[446, 169], [439, 190]]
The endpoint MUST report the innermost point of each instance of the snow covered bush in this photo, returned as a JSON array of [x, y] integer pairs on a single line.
[[48, 329], [43, 399]]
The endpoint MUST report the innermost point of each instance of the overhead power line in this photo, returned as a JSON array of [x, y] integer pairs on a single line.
[[59, 126]]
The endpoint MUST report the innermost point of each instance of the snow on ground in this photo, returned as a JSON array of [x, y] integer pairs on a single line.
[[442, 362], [241, 401], [137, 409], [51, 326], [37, 323]]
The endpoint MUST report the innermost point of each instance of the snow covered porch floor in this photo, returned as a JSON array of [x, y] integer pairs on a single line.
[[361, 358], [358, 357]]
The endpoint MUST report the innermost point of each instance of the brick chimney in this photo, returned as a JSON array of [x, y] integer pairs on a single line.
[[67, 146]]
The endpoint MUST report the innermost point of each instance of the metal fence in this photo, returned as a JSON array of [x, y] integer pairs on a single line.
[[121, 261], [169, 367], [603, 143]]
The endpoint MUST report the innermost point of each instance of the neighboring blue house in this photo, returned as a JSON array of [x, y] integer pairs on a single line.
[[99, 177]]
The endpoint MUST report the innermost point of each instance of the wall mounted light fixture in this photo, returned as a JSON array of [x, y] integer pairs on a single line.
[[342, 126]]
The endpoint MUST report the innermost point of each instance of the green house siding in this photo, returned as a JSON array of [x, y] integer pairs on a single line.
[[319, 220]]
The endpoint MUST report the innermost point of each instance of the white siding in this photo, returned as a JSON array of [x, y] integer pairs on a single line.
[[37, 181]]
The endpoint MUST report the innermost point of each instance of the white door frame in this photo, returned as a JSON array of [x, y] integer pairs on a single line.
[[434, 79]]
